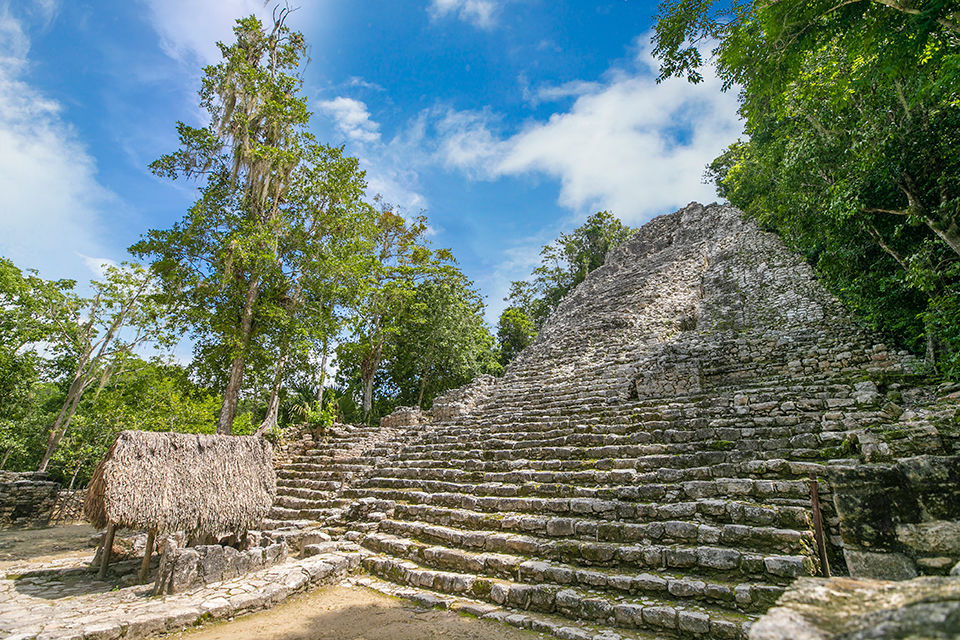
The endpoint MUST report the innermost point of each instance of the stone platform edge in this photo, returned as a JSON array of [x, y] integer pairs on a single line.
[[172, 613]]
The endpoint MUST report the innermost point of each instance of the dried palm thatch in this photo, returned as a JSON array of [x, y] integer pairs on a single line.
[[167, 482]]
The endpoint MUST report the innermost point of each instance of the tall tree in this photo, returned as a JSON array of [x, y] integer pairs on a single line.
[[515, 332], [442, 341], [33, 312], [224, 255], [325, 228], [397, 260]]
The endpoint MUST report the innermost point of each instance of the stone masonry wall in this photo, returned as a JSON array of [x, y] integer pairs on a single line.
[[26, 499], [181, 569], [901, 519]]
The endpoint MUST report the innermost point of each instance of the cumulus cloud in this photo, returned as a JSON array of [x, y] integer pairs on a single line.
[[391, 165], [627, 144], [98, 266], [190, 29], [480, 13], [352, 119], [51, 198]]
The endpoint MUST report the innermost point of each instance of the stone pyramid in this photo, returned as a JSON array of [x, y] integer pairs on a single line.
[[642, 470]]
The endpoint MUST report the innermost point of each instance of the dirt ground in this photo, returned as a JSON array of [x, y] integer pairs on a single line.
[[354, 613], [45, 544]]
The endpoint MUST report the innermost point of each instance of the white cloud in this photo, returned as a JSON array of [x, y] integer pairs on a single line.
[[571, 89], [391, 166], [465, 140], [98, 266], [357, 81], [352, 119], [190, 29], [480, 13], [628, 144], [50, 199]]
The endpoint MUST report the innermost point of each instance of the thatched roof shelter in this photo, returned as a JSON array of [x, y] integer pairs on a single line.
[[167, 482]]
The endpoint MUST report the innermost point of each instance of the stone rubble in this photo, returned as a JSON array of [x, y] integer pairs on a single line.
[[859, 609]]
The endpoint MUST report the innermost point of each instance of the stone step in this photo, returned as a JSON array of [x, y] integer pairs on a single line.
[[692, 555], [601, 477], [710, 512], [707, 466], [664, 617], [539, 499], [540, 623], [288, 501], [323, 472], [737, 597], [270, 524], [315, 489], [320, 463]]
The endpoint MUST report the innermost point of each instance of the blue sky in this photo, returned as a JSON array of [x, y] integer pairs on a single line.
[[505, 121]]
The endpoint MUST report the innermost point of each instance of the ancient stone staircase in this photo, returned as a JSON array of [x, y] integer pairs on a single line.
[[316, 468], [645, 465]]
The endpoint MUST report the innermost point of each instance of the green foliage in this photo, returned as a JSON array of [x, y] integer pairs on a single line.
[[515, 331], [442, 341], [853, 157], [564, 264]]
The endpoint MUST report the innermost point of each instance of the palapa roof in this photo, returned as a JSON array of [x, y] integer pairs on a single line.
[[200, 484]]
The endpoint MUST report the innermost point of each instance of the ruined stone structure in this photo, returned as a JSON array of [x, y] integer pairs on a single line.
[[645, 465], [27, 499]]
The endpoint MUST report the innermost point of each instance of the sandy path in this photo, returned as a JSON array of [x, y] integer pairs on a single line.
[[354, 613]]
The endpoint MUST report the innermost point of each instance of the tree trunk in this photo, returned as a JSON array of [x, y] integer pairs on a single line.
[[423, 381], [323, 374], [368, 369], [930, 353], [73, 478], [3, 462], [273, 407], [231, 394], [949, 232], [62, 422], [367, 396]]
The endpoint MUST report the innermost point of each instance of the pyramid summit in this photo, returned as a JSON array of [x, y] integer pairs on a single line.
[[644, 468], [701, 296]]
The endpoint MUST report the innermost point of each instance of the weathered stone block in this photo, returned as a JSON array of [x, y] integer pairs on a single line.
[[882, 566]]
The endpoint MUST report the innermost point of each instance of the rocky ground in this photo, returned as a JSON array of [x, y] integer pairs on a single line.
[[59, 597], [49, 592]]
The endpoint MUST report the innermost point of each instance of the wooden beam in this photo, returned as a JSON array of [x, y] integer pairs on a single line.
[[147, 553], [818, 527], [107, 550]]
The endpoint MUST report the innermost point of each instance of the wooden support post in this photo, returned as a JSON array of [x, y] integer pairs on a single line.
[[818, 526], [147, 553], [107, 550]]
